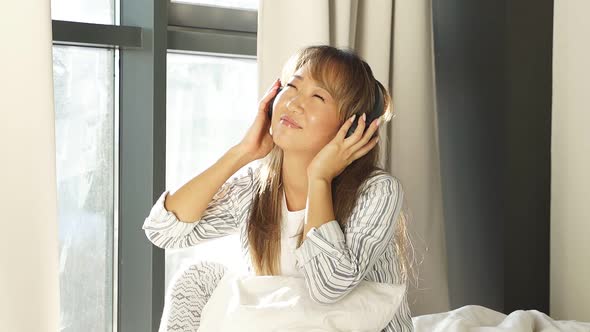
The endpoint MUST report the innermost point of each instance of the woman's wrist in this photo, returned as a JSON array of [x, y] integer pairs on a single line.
[[240, 156]]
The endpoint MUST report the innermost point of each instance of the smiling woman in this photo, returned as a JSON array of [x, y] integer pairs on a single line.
[[354, 225]]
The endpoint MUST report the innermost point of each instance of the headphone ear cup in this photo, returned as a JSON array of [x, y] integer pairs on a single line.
[[376, 112], [352, 127], [272, 101], [269, 112]]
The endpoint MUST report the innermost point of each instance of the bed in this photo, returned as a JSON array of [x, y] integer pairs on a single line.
[[208, 297]]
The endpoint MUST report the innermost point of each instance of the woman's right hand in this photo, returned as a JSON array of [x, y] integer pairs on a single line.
[[258, 142]]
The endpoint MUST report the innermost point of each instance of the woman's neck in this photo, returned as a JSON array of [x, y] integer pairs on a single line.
[[294, 178]]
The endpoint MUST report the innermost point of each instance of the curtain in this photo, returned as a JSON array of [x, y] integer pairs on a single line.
[[29, 281], [395, 40]]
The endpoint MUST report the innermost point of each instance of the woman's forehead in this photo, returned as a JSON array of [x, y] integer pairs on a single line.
[[302, 74]]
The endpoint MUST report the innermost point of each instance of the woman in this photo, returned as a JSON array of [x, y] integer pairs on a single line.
[[317, 206]]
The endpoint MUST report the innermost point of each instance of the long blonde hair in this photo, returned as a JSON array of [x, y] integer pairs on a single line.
[[351, 83]]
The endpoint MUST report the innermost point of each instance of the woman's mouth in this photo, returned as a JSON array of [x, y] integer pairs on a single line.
[[287, 123]]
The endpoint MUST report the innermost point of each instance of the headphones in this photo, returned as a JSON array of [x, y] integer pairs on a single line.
[[375, 113]]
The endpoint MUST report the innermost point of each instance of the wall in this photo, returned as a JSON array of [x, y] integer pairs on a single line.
[[29, 245], [570, 175]]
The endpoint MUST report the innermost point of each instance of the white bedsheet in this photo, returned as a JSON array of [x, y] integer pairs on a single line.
[[475, 318]]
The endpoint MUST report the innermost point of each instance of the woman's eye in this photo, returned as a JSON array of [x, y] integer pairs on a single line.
[[289, 84]]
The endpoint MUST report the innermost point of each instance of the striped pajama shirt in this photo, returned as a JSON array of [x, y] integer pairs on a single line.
[[333, 261]]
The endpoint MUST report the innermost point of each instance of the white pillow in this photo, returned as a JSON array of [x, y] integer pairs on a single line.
[[282, 303]]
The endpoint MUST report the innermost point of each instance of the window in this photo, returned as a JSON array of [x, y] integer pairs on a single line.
[[84, 133], [244, 4], [111, 276], [88, 11], [206, 96]]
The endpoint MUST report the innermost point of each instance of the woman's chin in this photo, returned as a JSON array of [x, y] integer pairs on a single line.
[[282, 133], [285, 142]]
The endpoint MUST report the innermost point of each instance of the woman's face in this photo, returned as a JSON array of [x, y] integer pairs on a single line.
[[311, 107]]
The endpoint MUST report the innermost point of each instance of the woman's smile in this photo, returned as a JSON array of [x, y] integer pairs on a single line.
[[288, 124]]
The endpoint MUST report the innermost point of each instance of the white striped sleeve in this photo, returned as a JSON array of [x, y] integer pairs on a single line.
[[221, 217], [334, 263]]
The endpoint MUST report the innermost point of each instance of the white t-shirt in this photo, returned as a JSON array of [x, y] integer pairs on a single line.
[[291, 224]]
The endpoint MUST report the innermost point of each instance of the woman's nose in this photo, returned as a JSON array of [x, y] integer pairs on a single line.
[[294, 103]]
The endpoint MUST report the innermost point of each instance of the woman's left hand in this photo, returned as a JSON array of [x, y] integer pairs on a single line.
[[341, 151]]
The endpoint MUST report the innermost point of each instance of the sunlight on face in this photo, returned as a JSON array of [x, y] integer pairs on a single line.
[[310, 106]]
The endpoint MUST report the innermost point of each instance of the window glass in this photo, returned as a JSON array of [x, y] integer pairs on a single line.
[[243, 4], [211, 102], [84, 136], [88, 11]]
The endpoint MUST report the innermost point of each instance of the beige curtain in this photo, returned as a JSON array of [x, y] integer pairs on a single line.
[[570, 162], [395, 39], [29, 284]]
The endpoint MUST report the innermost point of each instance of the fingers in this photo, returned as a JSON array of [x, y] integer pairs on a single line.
[[344, 128], [373, 126], [363, 142], [357, 137], [360, 128], [366, 148]]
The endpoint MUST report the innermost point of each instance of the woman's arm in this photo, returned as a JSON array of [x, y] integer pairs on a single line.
[[334, 263], [190, 201], [194, 214], [320, 208]]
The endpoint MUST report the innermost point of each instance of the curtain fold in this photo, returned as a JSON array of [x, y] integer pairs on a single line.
[[29, 281], [395, 39]]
